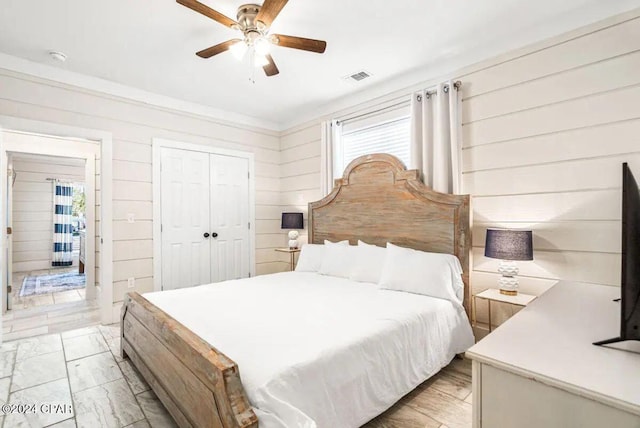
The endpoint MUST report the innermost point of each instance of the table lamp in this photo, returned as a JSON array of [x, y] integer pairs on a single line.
[[508, 245], [292, 221]]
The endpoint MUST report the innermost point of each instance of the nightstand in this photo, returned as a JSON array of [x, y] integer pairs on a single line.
[[292, 252], [494, 295]]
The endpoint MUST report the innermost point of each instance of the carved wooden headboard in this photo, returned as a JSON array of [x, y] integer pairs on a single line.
[[378, 201]]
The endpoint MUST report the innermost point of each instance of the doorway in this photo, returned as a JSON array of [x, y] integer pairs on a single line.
[[47, 215], [50, 207], [204, 211]]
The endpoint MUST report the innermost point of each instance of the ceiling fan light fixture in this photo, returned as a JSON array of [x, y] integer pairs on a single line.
[[262, 46], [260, 60], [239, 49], [254, 22]]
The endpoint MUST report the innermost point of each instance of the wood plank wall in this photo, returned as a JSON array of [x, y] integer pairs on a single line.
[[545, 132], [300, 172], [545, 135], [133, 126], [32, 210]]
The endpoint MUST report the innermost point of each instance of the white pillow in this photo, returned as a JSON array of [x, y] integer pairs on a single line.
[[343, 243], [311, 256], [368, 262], [431, 274], [337, 260]]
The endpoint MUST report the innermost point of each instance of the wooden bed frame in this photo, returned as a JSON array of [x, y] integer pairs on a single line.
[[377, 201]]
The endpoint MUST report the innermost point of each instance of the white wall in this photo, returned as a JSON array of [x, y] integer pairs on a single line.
[[32, 208], [545, 131], [300, 170], [133, 125], [545, 134]]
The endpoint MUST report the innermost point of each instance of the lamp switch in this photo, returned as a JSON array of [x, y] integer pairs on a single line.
[[131, 217], [131, 282]]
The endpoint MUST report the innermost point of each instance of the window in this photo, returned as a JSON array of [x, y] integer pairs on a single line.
[[389, 132]]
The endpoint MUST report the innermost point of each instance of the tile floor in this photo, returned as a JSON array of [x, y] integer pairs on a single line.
[[47, 313], [19, 324], [28, 302], [82, 369]]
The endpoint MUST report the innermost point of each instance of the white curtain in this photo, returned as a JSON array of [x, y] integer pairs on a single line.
[[331, 131], [436, 132]]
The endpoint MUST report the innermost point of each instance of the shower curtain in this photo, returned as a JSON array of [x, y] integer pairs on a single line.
[[62, 227]]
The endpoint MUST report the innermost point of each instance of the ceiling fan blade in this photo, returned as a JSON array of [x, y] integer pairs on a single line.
[[219, 48], [270, 10], [301, 43], [270, 69], [208, 12]]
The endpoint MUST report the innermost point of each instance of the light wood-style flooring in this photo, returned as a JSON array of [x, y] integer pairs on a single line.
[[82, 368], [444, 401]]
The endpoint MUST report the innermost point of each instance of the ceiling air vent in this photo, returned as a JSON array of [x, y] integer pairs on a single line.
[[358, 77]]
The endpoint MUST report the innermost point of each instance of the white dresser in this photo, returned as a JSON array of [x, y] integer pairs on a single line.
[[540, 369]]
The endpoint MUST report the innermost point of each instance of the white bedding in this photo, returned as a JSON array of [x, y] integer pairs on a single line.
[[320, 351]]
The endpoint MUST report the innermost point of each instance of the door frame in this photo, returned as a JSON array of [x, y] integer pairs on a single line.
[[8, 275], [157, 145], [9, 123], [72, 150]]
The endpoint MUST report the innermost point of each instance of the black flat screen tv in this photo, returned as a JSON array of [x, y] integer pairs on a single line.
[[630, 282]]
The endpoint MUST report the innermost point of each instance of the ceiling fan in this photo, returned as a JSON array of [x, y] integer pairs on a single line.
[[254, 21]]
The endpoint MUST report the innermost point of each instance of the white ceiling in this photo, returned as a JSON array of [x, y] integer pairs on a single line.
[[151, 44]]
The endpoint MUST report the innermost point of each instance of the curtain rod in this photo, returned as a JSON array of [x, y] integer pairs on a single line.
[[456, 85], [371, 113]]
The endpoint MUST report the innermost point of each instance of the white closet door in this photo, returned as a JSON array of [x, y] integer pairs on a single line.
[[229, 217], [185, 204]]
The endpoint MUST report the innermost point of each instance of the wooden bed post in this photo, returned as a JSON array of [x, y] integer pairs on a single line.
[[199, 385]]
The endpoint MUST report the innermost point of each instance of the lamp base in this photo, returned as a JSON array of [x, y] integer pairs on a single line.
[[293, 239], [508, 283]]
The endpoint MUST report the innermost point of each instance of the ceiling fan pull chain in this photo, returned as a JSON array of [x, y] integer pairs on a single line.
[[252, 78]]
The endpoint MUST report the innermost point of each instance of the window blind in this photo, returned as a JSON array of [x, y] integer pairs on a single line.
[[391, 137]]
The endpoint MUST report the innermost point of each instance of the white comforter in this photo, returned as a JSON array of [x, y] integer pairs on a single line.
[[320, 351]]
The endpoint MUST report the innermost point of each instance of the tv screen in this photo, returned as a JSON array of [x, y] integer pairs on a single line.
[[630, 281], [630, 316]]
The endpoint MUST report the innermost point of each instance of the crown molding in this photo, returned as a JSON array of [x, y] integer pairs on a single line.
[[107, 87]]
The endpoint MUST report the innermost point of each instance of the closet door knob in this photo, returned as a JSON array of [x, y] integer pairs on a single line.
[[206, 234], [214, 235]]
